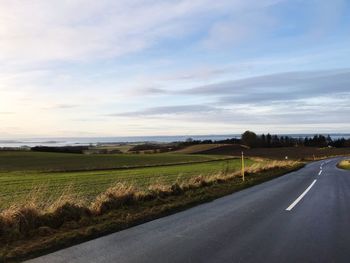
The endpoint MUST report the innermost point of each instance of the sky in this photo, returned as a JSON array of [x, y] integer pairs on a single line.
[[87, 68]]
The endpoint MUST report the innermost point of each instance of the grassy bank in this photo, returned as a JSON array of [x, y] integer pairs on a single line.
[[345, 164], [37, 228]]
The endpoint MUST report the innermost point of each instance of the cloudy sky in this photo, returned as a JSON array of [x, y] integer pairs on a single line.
[[173, 67]]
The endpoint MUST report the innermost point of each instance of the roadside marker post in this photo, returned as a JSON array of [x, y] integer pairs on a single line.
[[243, 167]]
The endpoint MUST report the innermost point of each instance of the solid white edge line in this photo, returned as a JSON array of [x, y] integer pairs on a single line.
[[301, 196]]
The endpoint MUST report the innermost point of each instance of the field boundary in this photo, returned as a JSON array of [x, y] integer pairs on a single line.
[[137, 167]]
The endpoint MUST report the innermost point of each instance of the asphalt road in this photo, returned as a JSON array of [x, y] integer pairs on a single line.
[[303, 216]]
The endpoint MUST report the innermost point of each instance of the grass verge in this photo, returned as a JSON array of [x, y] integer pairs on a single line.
[[344, 164], [32, 230]]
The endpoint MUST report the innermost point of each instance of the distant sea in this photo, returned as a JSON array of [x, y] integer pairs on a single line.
[[31, 142]]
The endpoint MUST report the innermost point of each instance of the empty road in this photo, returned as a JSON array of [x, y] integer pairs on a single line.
[[303, 216]]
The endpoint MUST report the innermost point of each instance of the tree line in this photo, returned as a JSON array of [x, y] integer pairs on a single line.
[[253, 140]]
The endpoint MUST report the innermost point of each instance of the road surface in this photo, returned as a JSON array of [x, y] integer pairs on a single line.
[[303, 216]]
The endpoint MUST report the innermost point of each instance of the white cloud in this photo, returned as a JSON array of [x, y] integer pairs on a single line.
[[42, 30]]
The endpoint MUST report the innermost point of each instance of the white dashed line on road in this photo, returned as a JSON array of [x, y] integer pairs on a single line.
[[289, 208]]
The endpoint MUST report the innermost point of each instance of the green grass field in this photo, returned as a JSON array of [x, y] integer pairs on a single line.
[[41, 161], [23, 174]]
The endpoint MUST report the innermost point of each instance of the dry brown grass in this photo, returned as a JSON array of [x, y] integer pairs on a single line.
[[344, 164], [23, 220], [114, 198], [270, 165], [18, 221]]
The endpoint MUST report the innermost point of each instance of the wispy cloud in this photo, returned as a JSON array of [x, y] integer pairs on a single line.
[[100, 29], [236, 30], [168, 110], [306, 97], [278, 87], [301, 112], [61, 106], [147, 91]]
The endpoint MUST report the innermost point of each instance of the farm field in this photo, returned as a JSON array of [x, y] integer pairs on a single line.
[[198, 148], [17, 186], [123, 148], [293, 153], [44, 161]]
